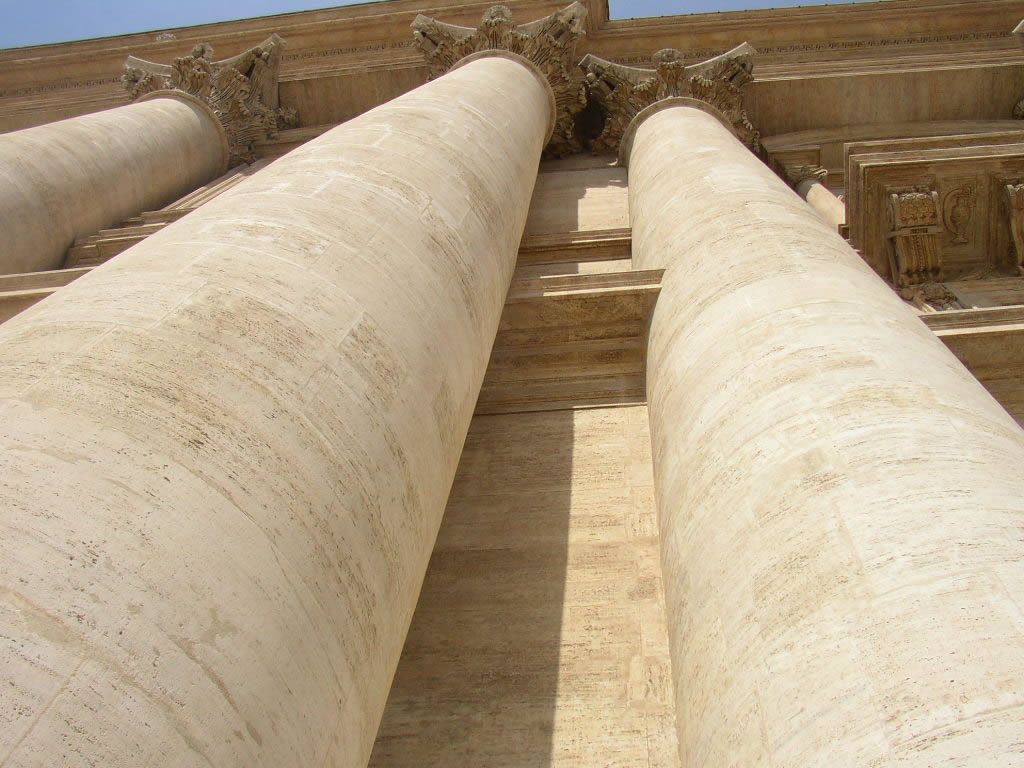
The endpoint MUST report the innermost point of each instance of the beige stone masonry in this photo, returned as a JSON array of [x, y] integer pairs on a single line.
[[539, 638], [225, 453], [840, 501]]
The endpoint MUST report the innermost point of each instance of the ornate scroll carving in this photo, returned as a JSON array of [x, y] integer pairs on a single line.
[[916, 255], [934, 296], [1014, 197], [550, 43], [241, 91], [625, 91]]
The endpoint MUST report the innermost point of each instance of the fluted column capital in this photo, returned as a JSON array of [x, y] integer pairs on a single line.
[[626, 92], [548, 44], [240, 91]]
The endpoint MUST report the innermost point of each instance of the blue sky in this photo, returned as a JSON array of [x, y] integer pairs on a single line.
[[622, 9], [30, 22]]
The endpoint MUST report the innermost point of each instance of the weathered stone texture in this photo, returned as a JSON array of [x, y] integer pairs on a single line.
[[225, 454], [840, 501]]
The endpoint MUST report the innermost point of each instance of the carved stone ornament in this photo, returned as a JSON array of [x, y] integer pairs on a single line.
[[801, 173], [625, 91], [958, 212], [549, 43], [916, 235], [241, 91], [1014, 198], [931, 296]]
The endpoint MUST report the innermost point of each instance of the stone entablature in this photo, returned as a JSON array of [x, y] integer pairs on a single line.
[[242, 91]]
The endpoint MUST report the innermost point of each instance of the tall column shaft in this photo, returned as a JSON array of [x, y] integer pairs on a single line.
[[71, 178], [224, 455], [841, 503]]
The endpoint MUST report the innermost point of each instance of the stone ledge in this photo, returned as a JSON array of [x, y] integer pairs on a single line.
[[990, 343], [569, 341], [590, 245], [960, 321]]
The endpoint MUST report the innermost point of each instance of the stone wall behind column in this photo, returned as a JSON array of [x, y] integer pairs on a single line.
[[539, 638]]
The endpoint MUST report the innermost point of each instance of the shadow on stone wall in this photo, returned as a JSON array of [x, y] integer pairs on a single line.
[[478, 678]]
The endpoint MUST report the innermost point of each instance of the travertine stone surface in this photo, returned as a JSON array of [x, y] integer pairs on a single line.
[[840, 502], [71, 178], [225, 454], [579, 194], [539, 638]]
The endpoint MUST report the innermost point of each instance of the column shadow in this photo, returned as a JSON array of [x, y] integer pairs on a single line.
[[580, 193], [478, 678]]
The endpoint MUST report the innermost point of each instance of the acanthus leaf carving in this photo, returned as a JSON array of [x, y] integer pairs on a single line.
[[241, 91], [549, 43], [626, 91], [800, 173], [916, 235]]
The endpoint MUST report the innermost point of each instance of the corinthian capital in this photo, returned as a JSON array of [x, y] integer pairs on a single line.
[[548, 43], [241, 91], [801, 173], [625, 91]]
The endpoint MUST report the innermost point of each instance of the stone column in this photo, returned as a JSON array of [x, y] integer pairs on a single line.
[[74, 177], [224, 455], [840, 501], [807, 181]]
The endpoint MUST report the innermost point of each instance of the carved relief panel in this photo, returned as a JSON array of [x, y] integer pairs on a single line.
[[958, 208], [968, 234], [1013, 199], [916, 252]]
